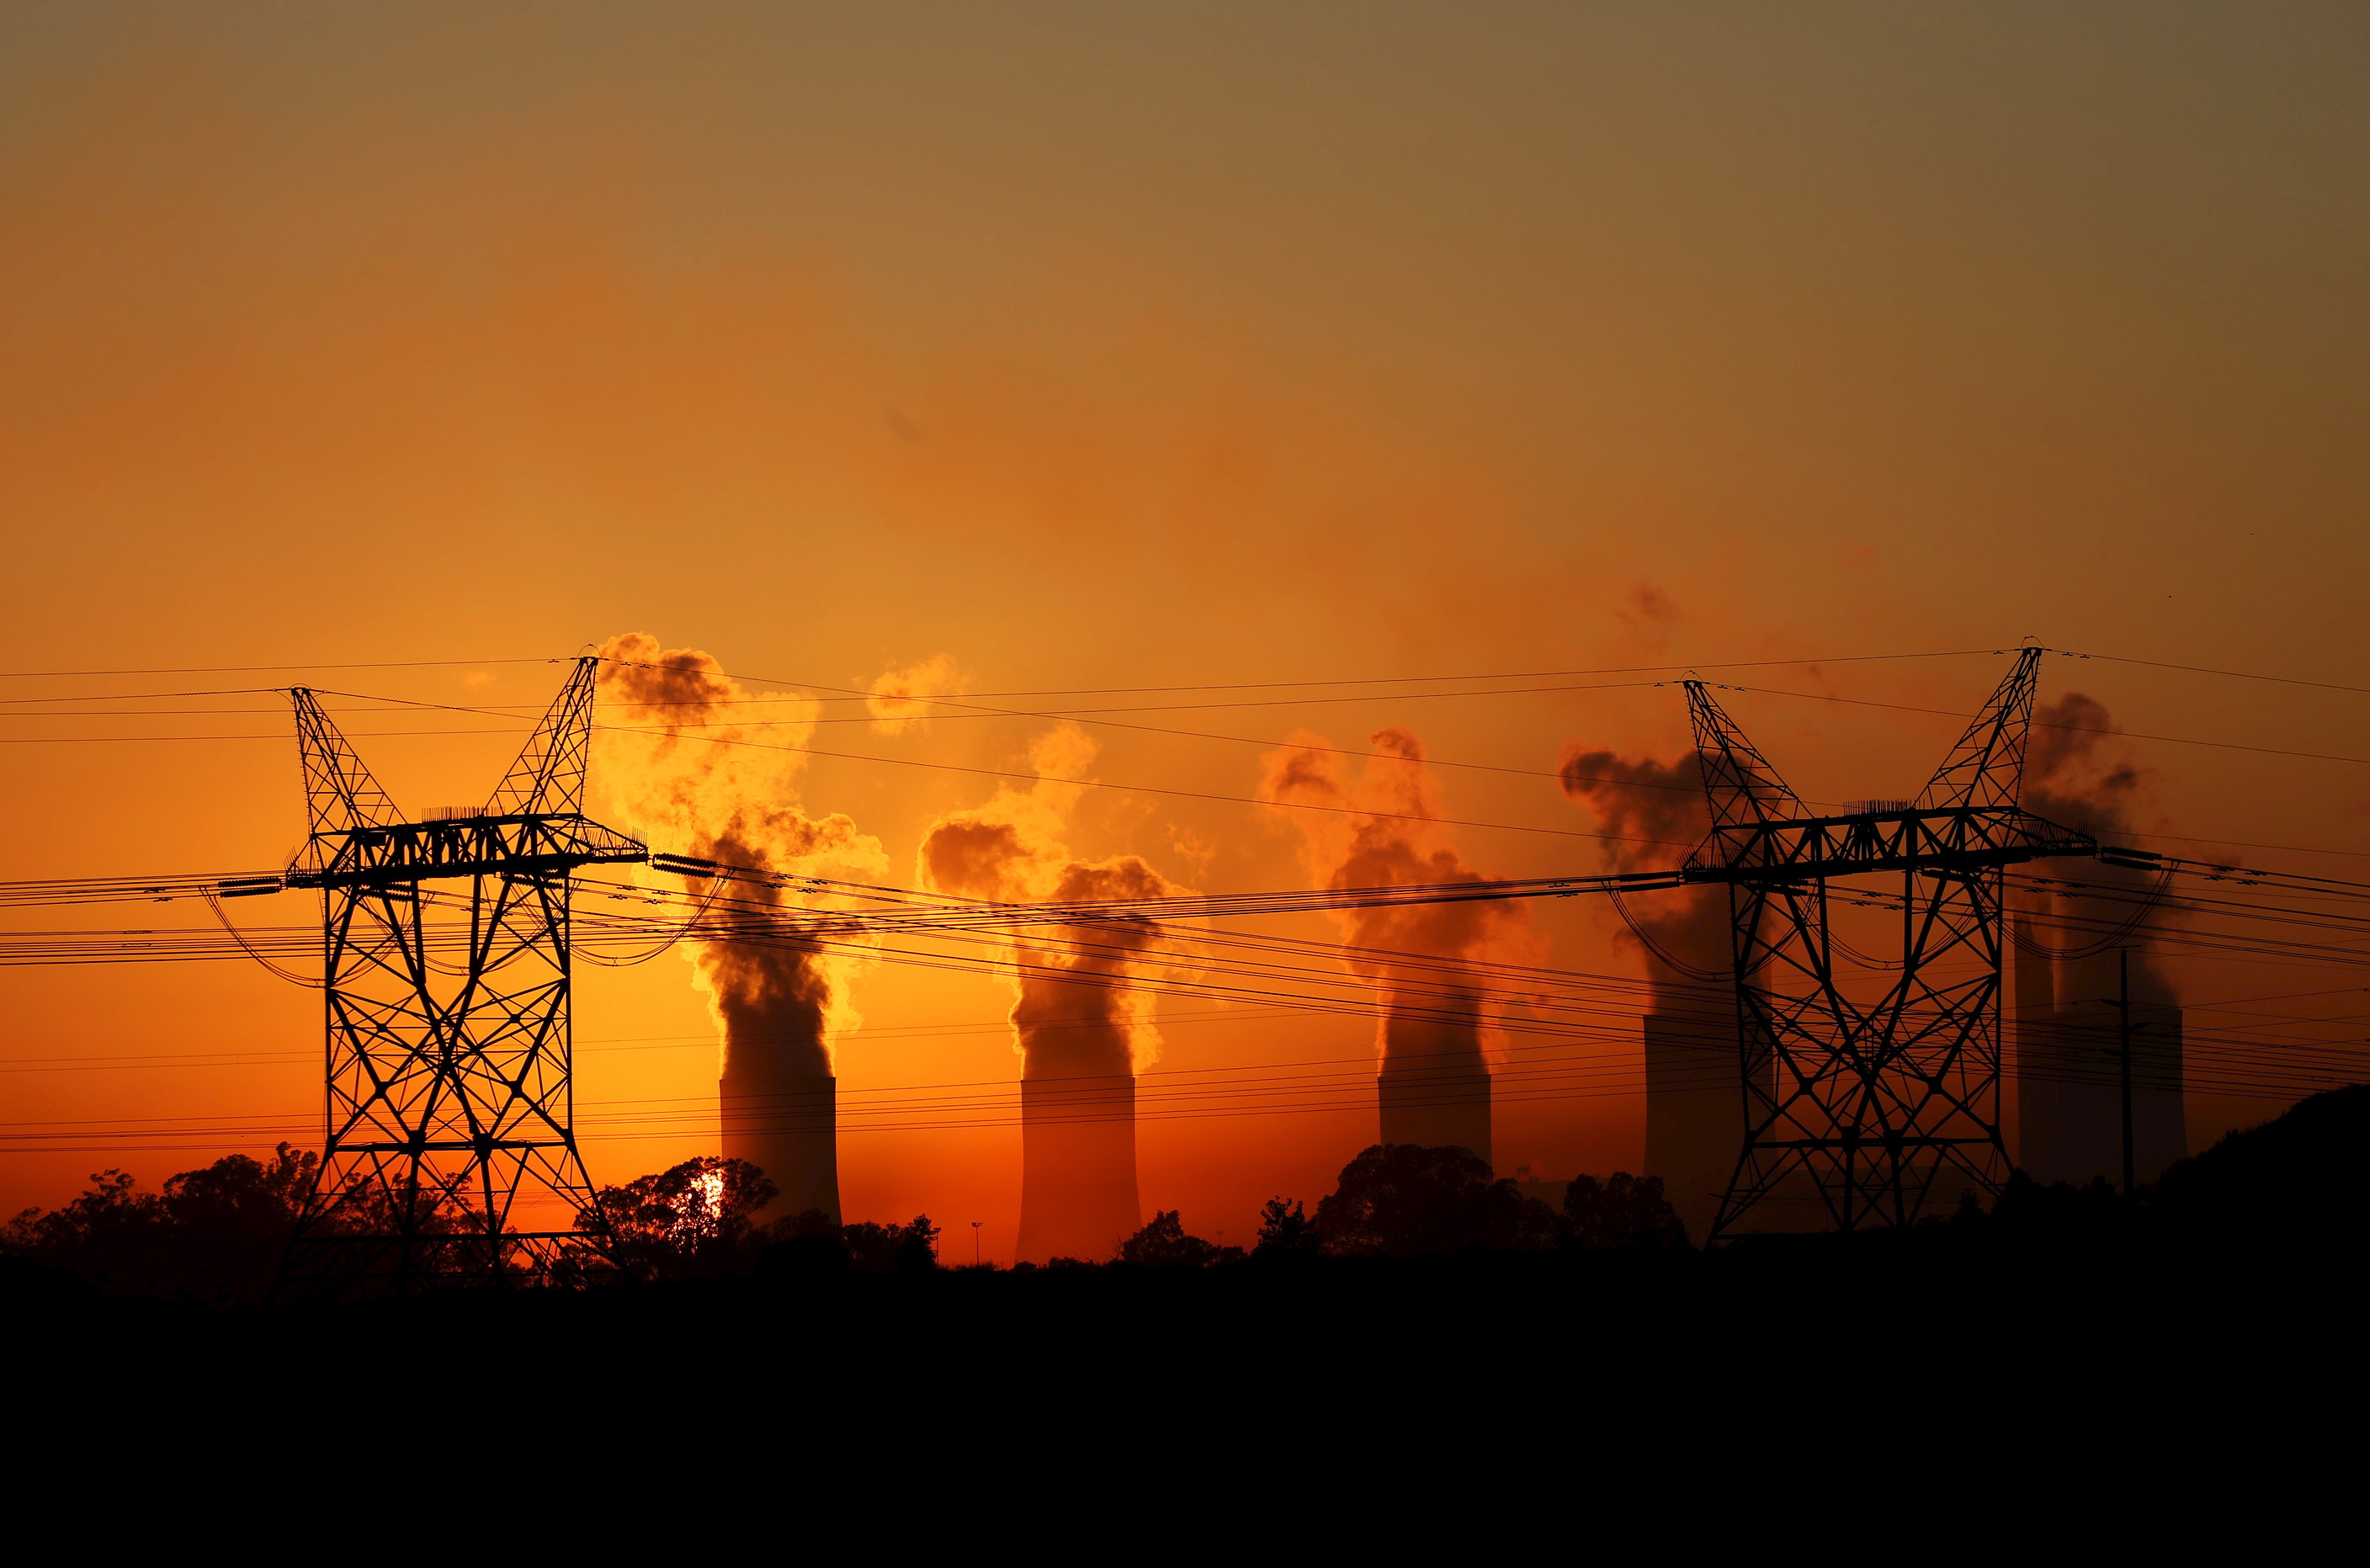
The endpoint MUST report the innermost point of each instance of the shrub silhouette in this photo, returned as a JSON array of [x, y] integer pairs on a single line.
[[1163, 1244], [215, 1233], [1403, 1200], [1286, 1231], [910, 1248], [1624, 1213], [690, 1220]]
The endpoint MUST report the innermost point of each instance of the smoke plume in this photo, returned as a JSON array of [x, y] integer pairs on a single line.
[[1074, 1013], [690, 762], [1661, 804], [1385, 832], [2079, 774], [2073, 776], [896, 699]]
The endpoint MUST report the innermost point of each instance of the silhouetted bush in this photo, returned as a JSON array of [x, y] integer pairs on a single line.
[[1285, 1231], [1401, 1200], [691, 1220], [1163, 1244], [803, 1256], [805, 1223], [910, 1248], [215, 1233], [1624, 1214]]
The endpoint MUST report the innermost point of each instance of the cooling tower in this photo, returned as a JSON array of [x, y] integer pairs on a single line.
[[788, 1127], [1077, 1167], [1695, 1108], [2051, 1106], [2069, 1072], [1436, 1102]]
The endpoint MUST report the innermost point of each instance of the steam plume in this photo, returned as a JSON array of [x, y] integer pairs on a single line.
[[1435, 1027], [1071, 1012], [2072, 776], [692, 761], [1663, 803], [895, 701], [1695, 1085], [1083, 1032], [2073, 1121], [2077, 774]]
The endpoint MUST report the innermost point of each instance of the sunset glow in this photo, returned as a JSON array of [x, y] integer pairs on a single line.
[[1114, 457]]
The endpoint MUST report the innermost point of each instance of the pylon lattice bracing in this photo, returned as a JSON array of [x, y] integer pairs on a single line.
[[450, 1151], [1873, 1102]]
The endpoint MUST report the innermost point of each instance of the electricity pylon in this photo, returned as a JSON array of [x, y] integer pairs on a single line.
[[1870, 1100], [449, 1154]]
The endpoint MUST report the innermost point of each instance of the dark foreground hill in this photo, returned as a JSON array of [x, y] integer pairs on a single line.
[[2238, 1277]]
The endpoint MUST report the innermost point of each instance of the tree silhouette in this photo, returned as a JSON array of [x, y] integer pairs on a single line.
[[1624, 1214], [215, 1233], [1286, 1231], [1163, 1244], [106, 1215], [240, 1196], [691, 1219], [805, 1243], [1402, 1200], [912, 1248]]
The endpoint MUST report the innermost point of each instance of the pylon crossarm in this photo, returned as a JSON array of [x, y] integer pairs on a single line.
[[1960, 839], [547, 778], [400, 854], [1987, 767], [340, 794], [1741, 789]]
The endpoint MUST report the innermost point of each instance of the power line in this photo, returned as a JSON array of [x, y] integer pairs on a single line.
[[255, 669], [1361, 680], [2049, 724], [2203, 670], [364, 735]]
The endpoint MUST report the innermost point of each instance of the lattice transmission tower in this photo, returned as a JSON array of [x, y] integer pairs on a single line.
[[1870, 1095], [450, 1152]]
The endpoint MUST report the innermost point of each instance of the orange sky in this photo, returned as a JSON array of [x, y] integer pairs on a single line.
[[1094, 348]]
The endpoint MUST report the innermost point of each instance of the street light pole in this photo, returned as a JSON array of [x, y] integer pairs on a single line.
[[977, 1223]]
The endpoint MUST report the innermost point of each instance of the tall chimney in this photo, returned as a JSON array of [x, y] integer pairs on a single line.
[[1695, 1103], [1434, 1089], [786, 1125], [1077, 1166]]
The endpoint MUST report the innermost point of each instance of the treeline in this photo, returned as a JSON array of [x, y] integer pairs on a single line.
[[2294, 1187], [704, 1219], [217, 1234], [213, 1235]]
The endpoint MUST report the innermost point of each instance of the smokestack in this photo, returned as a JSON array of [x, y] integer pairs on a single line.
[[1082, 1027], [1077, 1167], [2069, 1034], [1694, 1106], [776, 1098], [2046, 1093], [1695, 1085], [779, 1005], [1432, 1088], [788, 1127]]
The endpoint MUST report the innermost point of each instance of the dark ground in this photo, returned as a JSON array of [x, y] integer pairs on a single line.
[[2222, 1310]]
